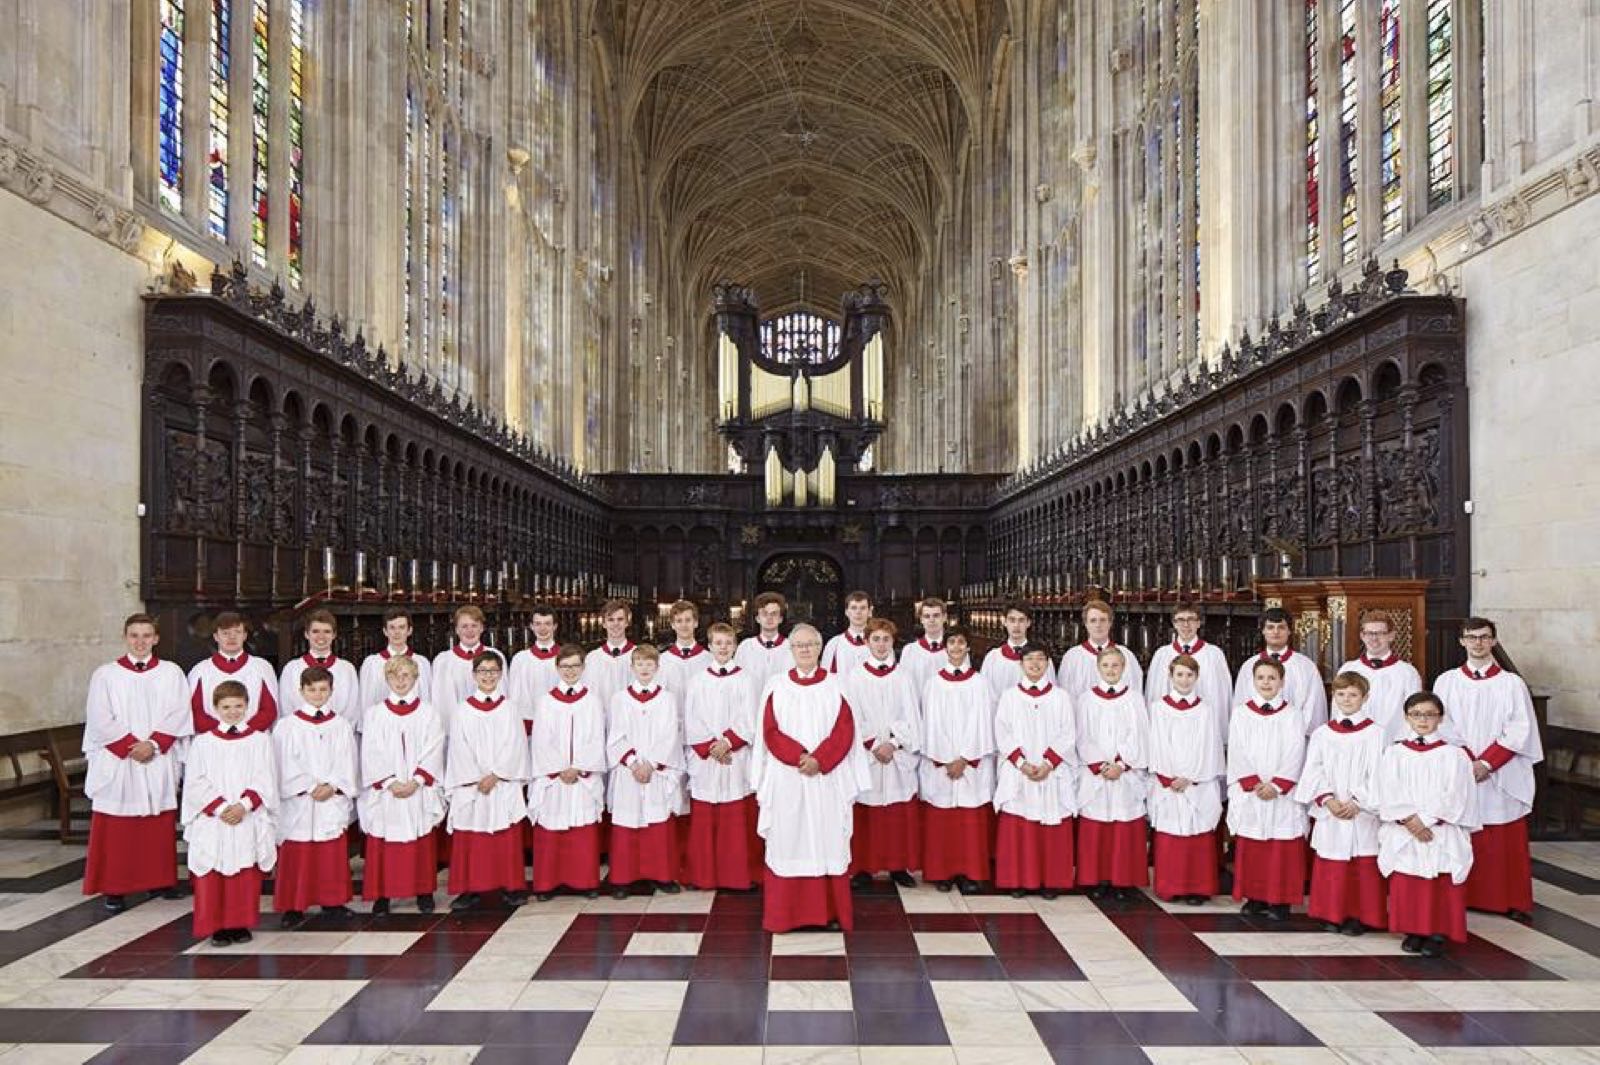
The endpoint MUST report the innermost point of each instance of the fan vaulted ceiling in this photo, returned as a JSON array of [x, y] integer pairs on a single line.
[[800, 146]]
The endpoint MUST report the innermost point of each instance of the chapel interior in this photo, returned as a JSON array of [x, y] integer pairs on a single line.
[[1248, 303]]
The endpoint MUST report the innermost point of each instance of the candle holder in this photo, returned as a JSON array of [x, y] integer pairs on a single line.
[[391, 575], [327, 568]]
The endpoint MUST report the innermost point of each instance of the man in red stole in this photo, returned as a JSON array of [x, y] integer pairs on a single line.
[[808, 771]]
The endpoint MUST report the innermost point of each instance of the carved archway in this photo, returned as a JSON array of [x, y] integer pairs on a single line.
[[812, 582]]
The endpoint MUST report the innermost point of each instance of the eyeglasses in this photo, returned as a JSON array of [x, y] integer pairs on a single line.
[[1422, 715], [1476, 637], [1374, 632], [804, 643], [487, 671]]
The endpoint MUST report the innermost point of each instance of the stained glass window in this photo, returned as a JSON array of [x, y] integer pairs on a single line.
[[1441, 103], [1390, 106], [169, 107], [260, 109], [1313, 151], [297, 170], [217, 149], [800, 337], [410, 207], [1349, 151]]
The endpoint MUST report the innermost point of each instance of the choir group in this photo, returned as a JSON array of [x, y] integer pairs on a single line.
[[804, 770]]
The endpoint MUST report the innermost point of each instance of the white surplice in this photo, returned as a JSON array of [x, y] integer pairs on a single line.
[[1002, 668], [1080, 668], [608, 669], [569, 731], [224, 769], [680, 665], [486, 736], [1342, 763], [1185, 741], [1489, 714], [844, 652], [403, 740], [531, 676], [1266, 743], [260, 685], [886, 711], [346, 701], [1432, 780], [1214, 686], [644, 723], [374, 686], [1389, 683], [1035, 724], [1113, 728], [721, 705], [957, 722], [126, 700], [315, 747], [920, 659], [1302, 686], [763, 660], [453, 680]]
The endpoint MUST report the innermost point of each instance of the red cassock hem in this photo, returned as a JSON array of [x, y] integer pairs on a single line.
[[1185, 865], [1114, 852], [398, 870], [1502, 870], [566, 858], [886, 838], [442, 844], [723, 850], [128, 854], [226, 901], [484, 861], [1349, 888], [1030, 855], [1269, 870], [1423, 907], [957, 842], [649, 853], [790, 902], [311, 874]]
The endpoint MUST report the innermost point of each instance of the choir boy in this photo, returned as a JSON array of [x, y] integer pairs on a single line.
[[320, 630], [137, 712], [1187, 770], [1347, 891], [318, 774], [848, 650], [767, 653], [1391, 680], [609, 667], [232, 662], [644, 750], [1302, 680], [1491, 715], [533, 669], [1424, 805], [723, 849], [808, 772], [1080, 666], [230, 794], [1266, 752], [486, 769], [568, 791], [452, 669], [397, 634], [1002, 667], [685, 658], [402, 763], [1113, 750], [1035, 792], [888, 830], [922, 656], [1215, 684], [956, 775]]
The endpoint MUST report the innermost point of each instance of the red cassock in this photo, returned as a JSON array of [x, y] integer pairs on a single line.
[[568, 857], [128, 854], [887, 837], [723, 849], [1185, 865], [1030, 855], [1269, 870], [397, 870], [1114, 852], [1502, 871], [487, 861], [1423, 907], [311, 874], [957, 841], [1350, 888], [227, 901]]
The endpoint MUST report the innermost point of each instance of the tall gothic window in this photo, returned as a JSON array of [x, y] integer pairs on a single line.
[[800, 337], [222, 51], [435, 158], [1393, 74]]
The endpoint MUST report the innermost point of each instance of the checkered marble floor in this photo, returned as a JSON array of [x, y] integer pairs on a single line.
[[926, 977]]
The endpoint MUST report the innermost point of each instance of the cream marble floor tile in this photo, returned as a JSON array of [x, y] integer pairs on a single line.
[[384, 943], [976, 995], [278, 1028], [996, 904], [1481, 1055], [812, 1055], [314, 994], [1297, 944], [1097, 946], [927, 899], [644, 995], [967, 944], [1155, 996], [29, 907], [45, 965], [65, 994], [715, 1055], [808, 944], [609, 1055], [976, 1055], [238, 1054], [969, 1027], [575, 995], [153, 994], [662, 943], [1386, 1056], [630, 1028], [499, 968], [1059, 996], [1308, 995], [1342, 1029], [51, 1053], [914, 1055], [231, 994], [478, 995], [1193, 1055], [1289, 1055], [1565, 1055], [684, 902], [1391, 996], [1119, 973], [809, 995]]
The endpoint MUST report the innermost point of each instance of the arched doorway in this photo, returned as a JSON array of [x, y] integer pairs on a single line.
[[812, 583]]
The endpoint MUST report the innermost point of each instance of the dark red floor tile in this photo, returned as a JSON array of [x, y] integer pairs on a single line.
[[716, 996], [887, 967], [1343, 967], [730, 967], [1012, 942], [964, 968], [155, 1054], [524, 1055], [811, 1028], [720, 1028], [468, 943], [605, 922], [900, 1028], [601, 942], [802, 967], [744, 941], [654, 967], [1410, 967], [1043, 967], [1166, 1029], [331, 967], [188, 1027], [943, 922], [1100, 1055], [877, 996], [424, 967], [1443, 1029], [1269, 967], [1528, 1029], [875, 942], [207, 967], [1080, 1030], [1009, 922], [672, 922], [577, 967]]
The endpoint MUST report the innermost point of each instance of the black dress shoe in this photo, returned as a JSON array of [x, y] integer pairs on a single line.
[[903, 878], [380, 907], [514, 898], [1100, 891], [1197, 900], [1049, 893], [1018, 893], [860, 880], [1123, 894], [1253, 908], [221, 938], [1518, 915], [1353, 927], [173, 892], [592, 893], [240, 935], [668, 887], [1278, 912], [545, 896], [424, 903], [115, 903], [943, 885], [833, 926], [1432, 947], [966, 886], [467, 900], [292, 919], [619, 893], [1411, 944]]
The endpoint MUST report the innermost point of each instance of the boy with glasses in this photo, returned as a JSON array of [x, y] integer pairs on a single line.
[[1391, 680], [486, 768]]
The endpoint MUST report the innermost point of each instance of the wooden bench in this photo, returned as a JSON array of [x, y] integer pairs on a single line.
[[60, 751], [1569, 788]]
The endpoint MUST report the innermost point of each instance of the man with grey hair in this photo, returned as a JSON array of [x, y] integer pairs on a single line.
[[808, 770]]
